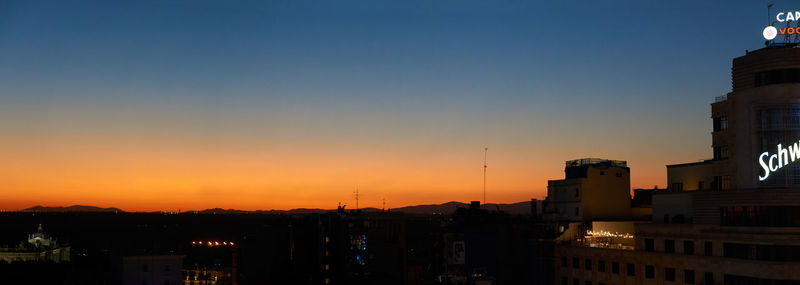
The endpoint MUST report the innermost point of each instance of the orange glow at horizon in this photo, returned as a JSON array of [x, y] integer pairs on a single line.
[[153, 176]]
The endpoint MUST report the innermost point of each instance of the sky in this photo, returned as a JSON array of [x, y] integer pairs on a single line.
[[168, 105]]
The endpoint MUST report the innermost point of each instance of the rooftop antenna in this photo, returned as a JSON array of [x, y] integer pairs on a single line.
[[485, 151], [383, 209], [769, 12], [769, 23]]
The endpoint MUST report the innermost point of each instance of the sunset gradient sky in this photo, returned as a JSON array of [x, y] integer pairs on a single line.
[[169, 105]]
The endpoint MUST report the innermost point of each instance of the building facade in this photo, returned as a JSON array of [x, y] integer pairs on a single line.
[[592, 189], [742, 229], [760, 113], [40, 247]]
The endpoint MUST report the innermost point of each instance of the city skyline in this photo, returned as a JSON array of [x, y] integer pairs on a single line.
[[283, 105]]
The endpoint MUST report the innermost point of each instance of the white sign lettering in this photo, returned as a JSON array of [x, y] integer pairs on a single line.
[[771, 163], [788, 16]]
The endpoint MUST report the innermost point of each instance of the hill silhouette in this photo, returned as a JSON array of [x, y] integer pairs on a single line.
[[444, 208]]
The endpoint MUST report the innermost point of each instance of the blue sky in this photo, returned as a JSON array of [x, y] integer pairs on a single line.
[[539, 82]]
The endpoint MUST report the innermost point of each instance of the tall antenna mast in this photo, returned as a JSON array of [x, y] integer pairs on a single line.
[[384, 205], [485, 150], [769, 8], [355, 193]]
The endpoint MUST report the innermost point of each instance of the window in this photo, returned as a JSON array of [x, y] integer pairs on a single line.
[[721, 152], [588, 264], [669, 274], [785, 253], [166, 268], [602, 173], [669, 246], [563, 261], [649, 245], [619, 174], [577, 211], [707, 248], [722, 182], [601, 266], [649, 272], [575, 263], [700, 185], [564, 281], [615, 267], [777, 76], [577, 192], [708, 279], [688, 276], [760, 216], [144, 268], [588, 282], [631, 270], [688, 247], [576, 282], [739, 279], [720, 123], [676, 187]]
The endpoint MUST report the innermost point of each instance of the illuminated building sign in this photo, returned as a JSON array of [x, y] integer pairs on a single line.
[[788, 16], [771, 32], [784, 156]]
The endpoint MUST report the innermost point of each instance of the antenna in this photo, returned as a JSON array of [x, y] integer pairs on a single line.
[[769, 6], [485, 150], [355, 193], [384, 205]]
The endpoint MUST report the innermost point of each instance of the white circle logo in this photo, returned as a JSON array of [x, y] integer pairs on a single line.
[[770, 33]]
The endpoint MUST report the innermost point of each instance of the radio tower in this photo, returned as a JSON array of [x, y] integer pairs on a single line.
[[355, 193], [485, 150]]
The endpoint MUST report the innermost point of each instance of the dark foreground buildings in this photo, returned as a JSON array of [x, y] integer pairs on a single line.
[[470, 246]]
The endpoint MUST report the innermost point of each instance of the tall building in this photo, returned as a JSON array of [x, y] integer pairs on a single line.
[[592, 189], [759, 114], [744, 228]]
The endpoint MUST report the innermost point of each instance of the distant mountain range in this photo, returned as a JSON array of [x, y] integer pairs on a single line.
[[444, 208], [73, 208]]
